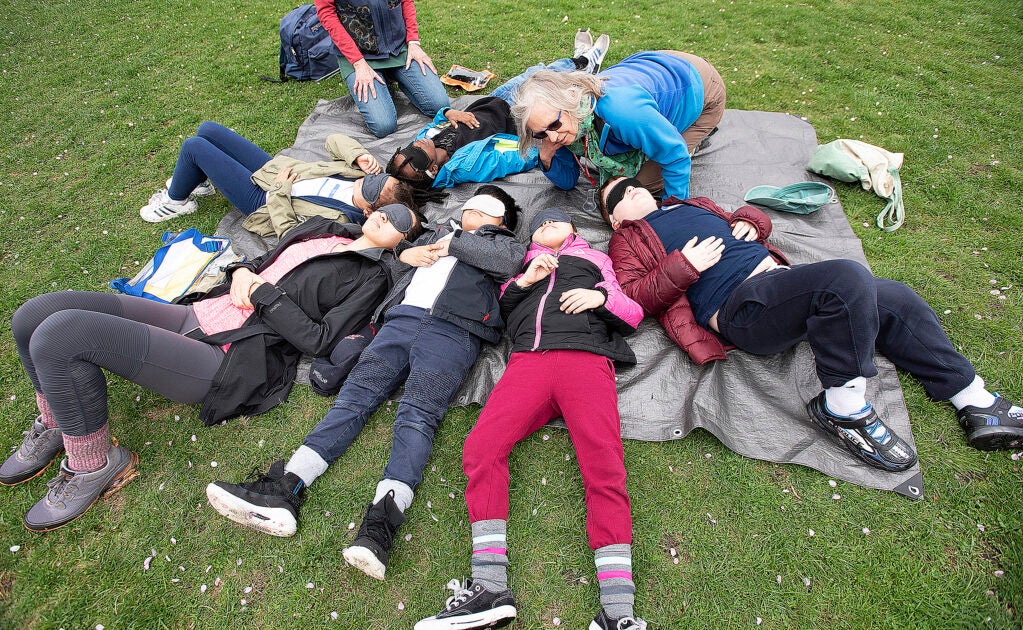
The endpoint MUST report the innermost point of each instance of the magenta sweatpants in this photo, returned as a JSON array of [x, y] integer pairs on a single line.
[[579, 386]]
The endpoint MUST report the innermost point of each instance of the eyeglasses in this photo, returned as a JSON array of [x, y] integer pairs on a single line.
[[554, 126]]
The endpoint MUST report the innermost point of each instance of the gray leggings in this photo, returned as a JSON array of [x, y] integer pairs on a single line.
[[64, 339]]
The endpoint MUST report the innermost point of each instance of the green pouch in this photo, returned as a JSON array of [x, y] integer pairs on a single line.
[[798, 198], [831, 161]]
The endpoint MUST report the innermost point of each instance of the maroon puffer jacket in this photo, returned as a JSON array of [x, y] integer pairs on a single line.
[[658, 280]]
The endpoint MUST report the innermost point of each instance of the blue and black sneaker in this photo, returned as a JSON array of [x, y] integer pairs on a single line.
[[868, 438], [991, 428]]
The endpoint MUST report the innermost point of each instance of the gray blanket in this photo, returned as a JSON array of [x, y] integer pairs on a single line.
[[754, 405]]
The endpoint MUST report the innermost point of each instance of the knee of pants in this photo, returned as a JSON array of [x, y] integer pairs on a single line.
[[430, 391], [208, 128], [379, 126], [28, 317], [57, 337], [372, 373], [482, 451], [848, 278]]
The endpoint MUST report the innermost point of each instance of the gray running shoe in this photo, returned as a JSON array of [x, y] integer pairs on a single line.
[[37, 450], [71, 494], [583, 42]]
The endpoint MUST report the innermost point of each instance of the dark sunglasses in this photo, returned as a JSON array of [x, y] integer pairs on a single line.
[[554, 126]]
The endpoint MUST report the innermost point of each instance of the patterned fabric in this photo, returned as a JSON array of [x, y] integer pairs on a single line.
[[608, 166]]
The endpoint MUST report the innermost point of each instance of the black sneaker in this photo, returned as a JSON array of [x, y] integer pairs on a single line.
[[472, 606], [604, 622], [995, 427], [867, 438], [269, 503], [371, 548]]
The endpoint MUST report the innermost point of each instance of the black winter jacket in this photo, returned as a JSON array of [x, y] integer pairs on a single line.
[[469, 299], [308, 311]]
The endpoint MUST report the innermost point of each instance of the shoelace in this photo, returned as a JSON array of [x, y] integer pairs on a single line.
[[879, 432], [461, 594], [630, 623], [58, 489]]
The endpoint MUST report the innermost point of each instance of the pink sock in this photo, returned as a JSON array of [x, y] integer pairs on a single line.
[[88, 453], [44, 411]]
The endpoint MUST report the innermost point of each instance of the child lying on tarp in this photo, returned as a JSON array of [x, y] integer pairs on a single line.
[[478, 144], [275, 193], [700, 269]]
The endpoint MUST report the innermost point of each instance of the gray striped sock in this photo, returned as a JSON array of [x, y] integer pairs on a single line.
[[614, 575], [490, 554]]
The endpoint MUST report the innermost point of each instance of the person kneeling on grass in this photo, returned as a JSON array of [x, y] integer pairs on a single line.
[[566, 318], [275, 193], [695, 267], [435, 318], [235, 349]]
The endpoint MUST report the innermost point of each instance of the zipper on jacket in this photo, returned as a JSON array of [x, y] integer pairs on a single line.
[[543, 300]]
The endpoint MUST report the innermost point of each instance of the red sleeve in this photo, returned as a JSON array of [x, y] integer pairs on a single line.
[[328, 18], [757, 217], [408, 10]]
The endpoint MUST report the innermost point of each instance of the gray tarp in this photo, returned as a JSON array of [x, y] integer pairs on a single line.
[[754, 405]]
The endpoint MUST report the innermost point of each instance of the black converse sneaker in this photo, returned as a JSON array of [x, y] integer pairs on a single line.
[[603, 621], [269, 503], [868, 438], [995, 427], [472, 606], [371, 548]]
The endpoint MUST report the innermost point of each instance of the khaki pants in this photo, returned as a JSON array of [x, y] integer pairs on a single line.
[[713, 109]]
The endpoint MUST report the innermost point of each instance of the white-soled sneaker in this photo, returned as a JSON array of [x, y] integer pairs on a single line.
[[583, 42], [595, 55], [162, 208], [204, 189]]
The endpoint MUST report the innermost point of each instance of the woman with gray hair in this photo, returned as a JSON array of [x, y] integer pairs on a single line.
[[643, 117]]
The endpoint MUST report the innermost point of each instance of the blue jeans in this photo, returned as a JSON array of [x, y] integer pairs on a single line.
[[225, 158], [425, 91], [432, 356], [844, 312], [511, 86]]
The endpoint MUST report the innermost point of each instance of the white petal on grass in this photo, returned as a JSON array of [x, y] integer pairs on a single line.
[[556, 621], [836, 497], [145, 563], [310, 585], [812, 533], [202, 589], [832, 483], [401, 605], [866, 531], [333, 615], [351, 526], [759, 621], [999, 573], [778, 579]]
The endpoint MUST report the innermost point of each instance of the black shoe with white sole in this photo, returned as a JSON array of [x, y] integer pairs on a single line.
[[472, 606], [269, 503], [371, 548], [991, 428]]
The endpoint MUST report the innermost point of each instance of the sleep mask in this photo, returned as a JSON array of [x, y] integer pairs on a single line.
[[372, 186], [617, 193], [399, 216], [415, 157]]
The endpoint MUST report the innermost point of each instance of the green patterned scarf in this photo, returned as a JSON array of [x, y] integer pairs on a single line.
[[608, 166]]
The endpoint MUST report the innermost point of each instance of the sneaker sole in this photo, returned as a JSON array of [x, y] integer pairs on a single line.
[[493, 618], [122, 479], [364, 560], [995, 438], [853, 447], [15, 481], [273, 521]]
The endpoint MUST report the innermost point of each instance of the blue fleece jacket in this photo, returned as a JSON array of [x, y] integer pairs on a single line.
[[481, 161], [649, 99]]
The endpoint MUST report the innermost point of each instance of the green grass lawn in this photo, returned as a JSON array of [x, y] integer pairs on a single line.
[[95, 99]]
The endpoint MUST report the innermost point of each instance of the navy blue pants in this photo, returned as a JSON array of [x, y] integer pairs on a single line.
[[844, 312], [432, 356], [226, 159]]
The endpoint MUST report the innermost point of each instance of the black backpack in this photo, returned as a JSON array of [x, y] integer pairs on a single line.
[[307, 52]]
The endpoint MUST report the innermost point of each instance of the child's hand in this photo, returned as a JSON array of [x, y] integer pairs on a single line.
[[538, 269], [368, 164], [458, 116], [424, 255], [705, 254], [286, 175], [578, 300], [745, 231]]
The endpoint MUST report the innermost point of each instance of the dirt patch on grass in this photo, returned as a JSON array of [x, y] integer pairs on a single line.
[[6, 586]]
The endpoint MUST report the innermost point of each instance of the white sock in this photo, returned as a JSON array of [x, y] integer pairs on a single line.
[[974, 395], [307, 464], [402, 492], [849, 400]]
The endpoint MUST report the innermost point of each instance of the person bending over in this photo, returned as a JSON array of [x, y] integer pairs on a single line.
[[642, 117], [275, 193], [699, 269], [566, 319], [235, 350], [435, 318]]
